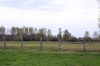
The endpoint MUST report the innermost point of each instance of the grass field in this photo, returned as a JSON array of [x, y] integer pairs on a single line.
[[70, 55]]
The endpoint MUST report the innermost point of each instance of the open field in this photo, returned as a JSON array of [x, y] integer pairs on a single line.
[[70, 55], [50, 46]]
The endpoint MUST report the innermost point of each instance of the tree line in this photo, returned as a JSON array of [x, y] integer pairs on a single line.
[[34, 34]]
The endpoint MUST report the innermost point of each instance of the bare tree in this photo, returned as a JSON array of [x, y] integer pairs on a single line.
[[86, 35], [66, 35], [31, 33], [41, 37], [99, 20], [21, 37], [2, 32], [12, 33], [95, 36], [49, 34], [8, 32], [35, 31], [42, 33], [59, 37]]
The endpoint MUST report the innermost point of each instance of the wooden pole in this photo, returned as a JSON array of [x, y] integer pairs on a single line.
[[4, 43], [84, 43], [41, 43], [59, 47], [21, 41]]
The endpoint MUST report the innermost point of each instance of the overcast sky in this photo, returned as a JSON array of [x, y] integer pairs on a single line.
[[77, 16]]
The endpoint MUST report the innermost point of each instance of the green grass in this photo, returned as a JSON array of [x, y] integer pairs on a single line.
[[14, 58], [70, 55]]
